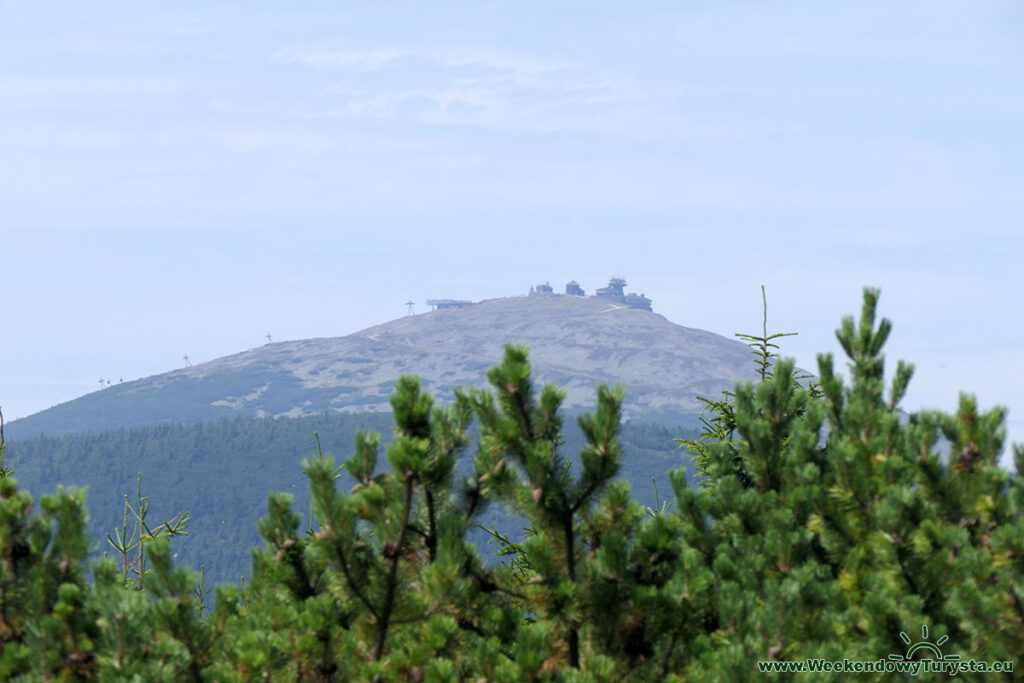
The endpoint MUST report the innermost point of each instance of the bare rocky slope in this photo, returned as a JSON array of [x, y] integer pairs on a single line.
[[575, 342]]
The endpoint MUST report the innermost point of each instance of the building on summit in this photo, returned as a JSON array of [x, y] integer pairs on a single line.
[[637, 301], [615, 291], [443, 304]]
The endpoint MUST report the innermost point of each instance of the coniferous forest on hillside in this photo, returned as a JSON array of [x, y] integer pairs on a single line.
[[220, 473], [822, 531]]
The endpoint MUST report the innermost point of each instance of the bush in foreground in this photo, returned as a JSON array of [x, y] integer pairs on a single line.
[[827, 528]]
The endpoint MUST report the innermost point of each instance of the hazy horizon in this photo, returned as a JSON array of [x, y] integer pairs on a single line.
[[184, 180]]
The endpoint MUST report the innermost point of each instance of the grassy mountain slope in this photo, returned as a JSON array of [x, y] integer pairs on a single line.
[[574, 342]]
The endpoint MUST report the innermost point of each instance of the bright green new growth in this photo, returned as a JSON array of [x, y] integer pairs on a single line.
[[718, 418], [4, 470], [828, 527], [132, 546]]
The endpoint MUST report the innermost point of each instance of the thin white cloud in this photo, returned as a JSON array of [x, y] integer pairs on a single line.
[[463, 87], [356, 60], [375, 59], [178, 28]]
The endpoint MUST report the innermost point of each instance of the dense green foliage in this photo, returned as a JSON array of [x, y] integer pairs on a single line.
[[828, 528]]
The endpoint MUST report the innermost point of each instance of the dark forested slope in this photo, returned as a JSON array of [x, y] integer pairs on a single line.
[[221, 472]]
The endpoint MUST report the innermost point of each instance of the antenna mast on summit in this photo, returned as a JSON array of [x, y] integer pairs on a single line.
[[410, 304], [269, 340], [187, 363]]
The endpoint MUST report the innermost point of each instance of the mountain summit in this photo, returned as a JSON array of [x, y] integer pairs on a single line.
[[575, 342]]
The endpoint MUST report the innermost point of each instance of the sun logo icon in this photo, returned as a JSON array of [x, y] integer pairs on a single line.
[[927, 646]]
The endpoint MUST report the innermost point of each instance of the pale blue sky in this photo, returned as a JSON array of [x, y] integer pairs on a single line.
[[179, 178]]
